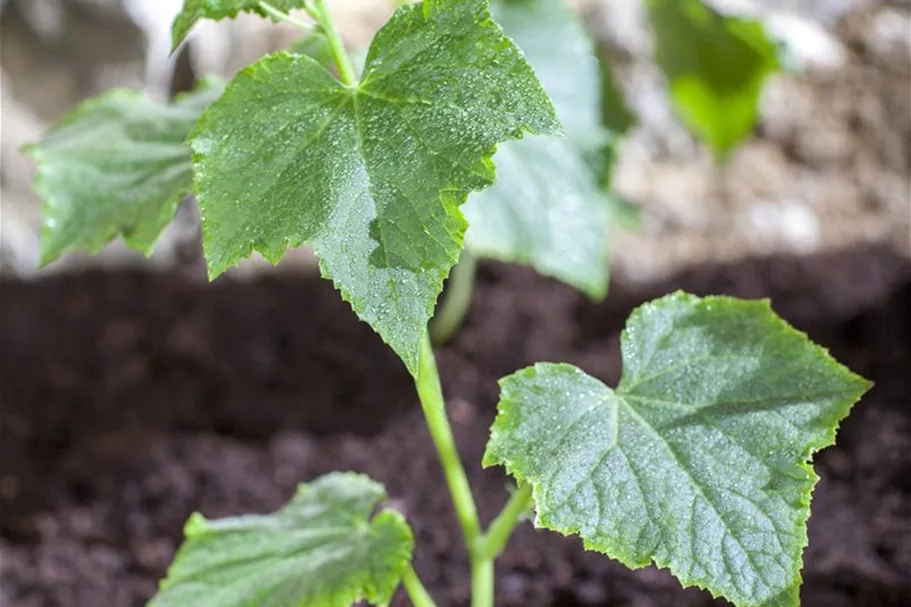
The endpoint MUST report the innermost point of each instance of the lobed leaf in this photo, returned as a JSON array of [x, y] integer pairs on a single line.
[[547, 208], [194, 11], [117, 165], [324, 549], [715, 66], [372, 175], [699, 460]]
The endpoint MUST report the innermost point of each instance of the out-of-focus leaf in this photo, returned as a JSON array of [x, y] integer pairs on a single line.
[[547, 208], [715, 65], [195, 10], [117, 165], [324, 549]]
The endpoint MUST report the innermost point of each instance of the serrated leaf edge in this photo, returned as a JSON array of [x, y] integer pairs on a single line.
[[457, 196], [491, 459], [46, 193], [198, 525]]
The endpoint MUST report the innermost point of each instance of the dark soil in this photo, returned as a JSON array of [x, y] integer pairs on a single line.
[[129, 400]]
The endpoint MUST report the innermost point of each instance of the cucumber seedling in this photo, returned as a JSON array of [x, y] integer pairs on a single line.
[[699, 459]]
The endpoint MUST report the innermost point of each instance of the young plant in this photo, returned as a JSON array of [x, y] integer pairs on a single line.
[[698, 461]]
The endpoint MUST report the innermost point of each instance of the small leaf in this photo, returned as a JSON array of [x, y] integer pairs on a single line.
[[547, 209], [715, 66], [321, 550], [699, 460], [372, 175], [117, 165], [195, 10]]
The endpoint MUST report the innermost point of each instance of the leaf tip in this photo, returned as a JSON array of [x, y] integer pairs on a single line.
[[196, 525], [47, 257]]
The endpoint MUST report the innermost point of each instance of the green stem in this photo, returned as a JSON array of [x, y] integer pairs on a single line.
[[434, 406], [489, 546], [415, 589], [342, 61], [482, 582], [451, 313], [283, 16], [401, 3], [501, 528]]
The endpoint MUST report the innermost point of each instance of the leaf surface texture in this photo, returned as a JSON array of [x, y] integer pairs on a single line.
[[324, 549], [547, 208], [117, 165], [372, 175], [699, 460]]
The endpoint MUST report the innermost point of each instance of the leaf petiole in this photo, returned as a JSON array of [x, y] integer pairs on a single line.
[[500, 530], [340, 56], [283, 16], [415, 589]]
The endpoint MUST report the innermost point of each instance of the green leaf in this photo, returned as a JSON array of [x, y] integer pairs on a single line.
[[117, 165], [556, 44], [321, 550], [715, 66], [616, 116], [316, 45], [699, 460], [372, 175], [195, 10], [547, 208], [626, 214]]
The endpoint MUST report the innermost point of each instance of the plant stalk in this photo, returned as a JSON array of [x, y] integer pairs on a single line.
[[434, 406], [452, 311], [345, 70], [482, 582], [415, 589], [500, 530]]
